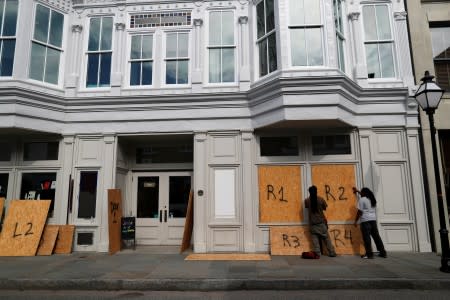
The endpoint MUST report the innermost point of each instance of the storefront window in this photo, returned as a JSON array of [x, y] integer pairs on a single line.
[[3, 185], [40, 151], [278, 146], [331, 145], [165, 154], [88, 195], [39, 186], [5, 152]]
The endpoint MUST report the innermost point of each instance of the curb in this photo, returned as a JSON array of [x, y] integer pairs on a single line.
[[223, 284]]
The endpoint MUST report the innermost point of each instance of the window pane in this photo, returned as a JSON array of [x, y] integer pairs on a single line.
[[179, 152], [105, 69], [387, 61], [272, 45], [52, 66], [135, 73], [296, 12], [370, 26], [331, 145], [171, 72], [2, 3], [41, 23], [278, 146], [228, 65], [107, 25], [147, 73], [5, 151], [37, 62], [263, 57], [136, 47], [9, 28], [92, 70], [148, 197], [147, 46], [314, 43], [298, 47], [88, 195], [94, 34], [179, 189], [39, 186], [227, 28], [56, 29], [312, 7], [183, 45], [270, 16], [183, 66], [40, 151], [383, 22], [3, 186], [7, 59], [373, 66], [215, 28], [261, 24], [171, 45], [214, 65]]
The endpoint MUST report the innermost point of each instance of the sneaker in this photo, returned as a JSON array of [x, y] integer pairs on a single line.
[[332, 255], [384, 255], [366, 257]]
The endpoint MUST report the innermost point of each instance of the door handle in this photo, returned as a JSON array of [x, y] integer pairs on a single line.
[[160, 216], [165, 216]]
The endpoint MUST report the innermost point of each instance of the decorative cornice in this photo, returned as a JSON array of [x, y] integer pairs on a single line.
[[243, 20], [120, 26], [77, 28], [400, 15], [354, 16], [198, 22]]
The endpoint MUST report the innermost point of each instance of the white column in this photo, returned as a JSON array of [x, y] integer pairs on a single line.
[[200, 192], [118, 58], [109, 167], [250, 206], [359, 61], [66, 176], [243, 48], [402, 45], [197, 74], [74, 58]]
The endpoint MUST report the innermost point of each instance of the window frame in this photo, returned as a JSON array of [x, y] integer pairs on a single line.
[[100, 52], [95, 221], [177, 59], [445, 60], [305, 27], [130, 60], [380, 41], [338, 8], [265, 38], [48, 46], [8, 37], [221, 47]]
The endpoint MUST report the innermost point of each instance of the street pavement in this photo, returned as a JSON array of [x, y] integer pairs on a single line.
[[165, 269]]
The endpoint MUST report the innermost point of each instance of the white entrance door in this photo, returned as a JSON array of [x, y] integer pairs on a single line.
[[160, 204]]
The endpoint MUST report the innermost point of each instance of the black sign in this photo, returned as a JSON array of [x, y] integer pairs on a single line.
[[128, 228]]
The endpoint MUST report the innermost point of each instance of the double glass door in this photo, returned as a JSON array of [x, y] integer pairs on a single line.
[[160, 206]]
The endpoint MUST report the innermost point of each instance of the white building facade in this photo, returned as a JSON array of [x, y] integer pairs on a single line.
[[158, 98]]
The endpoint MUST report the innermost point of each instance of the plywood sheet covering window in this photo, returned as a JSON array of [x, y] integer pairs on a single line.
[[48, 240], [114, 219], [23, 227], [280, 194], [334, 183]]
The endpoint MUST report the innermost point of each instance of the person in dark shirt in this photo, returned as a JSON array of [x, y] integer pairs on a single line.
[[317, 221]]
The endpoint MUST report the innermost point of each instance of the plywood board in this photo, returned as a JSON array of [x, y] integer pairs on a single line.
[[334, 183], [48, 240], [280, 194], [65, 239], [188, 224], [23, 227], [293, 240], [347, 239], [227, 256], [2, 205], [289, 240], [114, 219]]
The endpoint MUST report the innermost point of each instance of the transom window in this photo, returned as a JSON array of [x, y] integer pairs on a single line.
[[141, 59], [46, 46], [221, 47], [278, 146], [306, 31], [177, 58], [99, 52], [440, 38], [266, 34], [379, 42], [331, 145], [8, 23], [340, 39]]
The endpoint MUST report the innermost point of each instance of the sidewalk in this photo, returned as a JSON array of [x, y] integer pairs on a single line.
[[165, 269]]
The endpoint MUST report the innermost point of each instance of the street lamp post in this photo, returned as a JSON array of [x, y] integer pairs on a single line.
[[428, 96]]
